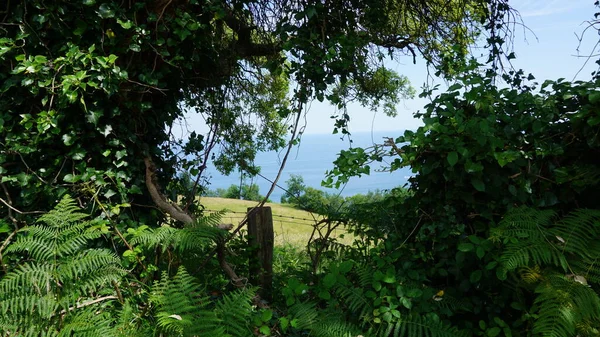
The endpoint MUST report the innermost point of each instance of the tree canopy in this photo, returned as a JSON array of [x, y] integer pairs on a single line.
[[91, 89]]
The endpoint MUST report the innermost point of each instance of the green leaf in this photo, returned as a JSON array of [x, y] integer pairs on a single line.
[[69, 178], [81, 27], [501, 273], [67, 139], [135, 47], [466, 247], [478, 184], [345, 266], [455, 86], [325, 295], [105, 12], [125, 24], [452, 158], [109, 193], [284, 322], [480, 252], [415, 292], [405, 301], [266, 315], [329, 280], [4, 227], [475, 276], [493, 332], [594, 96], [390, 276], [265, 330]]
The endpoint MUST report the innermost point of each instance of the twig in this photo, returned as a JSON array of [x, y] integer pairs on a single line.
[[4, 244], [85, 304], [119, 295], [20, 212], [29, 169]]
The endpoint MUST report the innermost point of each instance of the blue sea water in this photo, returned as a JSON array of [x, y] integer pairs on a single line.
[[311, 159]]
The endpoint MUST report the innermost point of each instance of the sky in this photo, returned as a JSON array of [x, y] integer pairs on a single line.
[[546, 45]]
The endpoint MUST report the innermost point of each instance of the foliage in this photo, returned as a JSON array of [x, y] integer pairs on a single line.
[[91, 94], [91, 89], [294, 188], [557, 260], [182, 310], [325, 203], [249, 192], [483, 151], [50, 290]]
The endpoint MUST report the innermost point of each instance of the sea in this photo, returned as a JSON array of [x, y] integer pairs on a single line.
[[311, 159]]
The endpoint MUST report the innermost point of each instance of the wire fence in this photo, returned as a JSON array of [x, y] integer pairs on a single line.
[[288, 229]]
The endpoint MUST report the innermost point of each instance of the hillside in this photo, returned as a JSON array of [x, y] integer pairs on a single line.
[[291, 226]]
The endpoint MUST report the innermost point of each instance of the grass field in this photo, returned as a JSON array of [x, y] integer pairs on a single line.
[[291, 226]]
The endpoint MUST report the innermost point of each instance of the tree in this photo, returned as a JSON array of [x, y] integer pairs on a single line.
[[91, 90], [249, 192], [294, 188]]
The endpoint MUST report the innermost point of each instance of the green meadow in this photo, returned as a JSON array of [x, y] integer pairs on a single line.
[[291, 226]]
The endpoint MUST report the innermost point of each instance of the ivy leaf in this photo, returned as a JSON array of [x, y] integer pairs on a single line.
[[67, 139], [478, 184], [475, 276], [329, 280], [480, 252], [493, 332], [109, 193], [466, 247], [346, 266], [135, 47], [452, 158], [93, 116], [81, 27], [106, 12]]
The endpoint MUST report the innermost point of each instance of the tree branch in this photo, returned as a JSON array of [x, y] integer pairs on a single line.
[[160, 200]]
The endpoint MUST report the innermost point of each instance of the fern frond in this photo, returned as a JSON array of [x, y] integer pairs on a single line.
[[332, 326], [419, 326], [305, 313], [576, 230], [522, 253], [355, 300], [181, 309], [192, 237], [41, 294], [523, 222], [88, 323], [365, 274], [235, 310]]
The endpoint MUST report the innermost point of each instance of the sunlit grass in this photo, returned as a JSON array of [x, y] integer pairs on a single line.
[[291, 225]]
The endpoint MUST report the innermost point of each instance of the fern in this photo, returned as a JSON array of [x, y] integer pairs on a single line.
[[182, 310], [560, 257], [192, 237], [419, 326], [235, 310], [534, 237], [322, 324], [40, 296]]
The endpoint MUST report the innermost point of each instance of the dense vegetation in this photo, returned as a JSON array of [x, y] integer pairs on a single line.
[[102, 235]]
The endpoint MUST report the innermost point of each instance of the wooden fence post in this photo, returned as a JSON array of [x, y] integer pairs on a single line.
[[260, 241]]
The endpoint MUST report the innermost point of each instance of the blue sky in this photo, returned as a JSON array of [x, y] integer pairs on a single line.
[[546, 47]]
